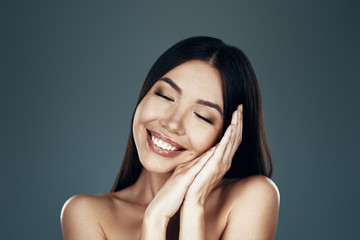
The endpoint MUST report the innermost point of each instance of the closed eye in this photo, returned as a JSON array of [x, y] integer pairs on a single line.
[[163, 96], [204, 119]]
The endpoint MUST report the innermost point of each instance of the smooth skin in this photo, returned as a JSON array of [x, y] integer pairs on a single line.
[[185, 197]]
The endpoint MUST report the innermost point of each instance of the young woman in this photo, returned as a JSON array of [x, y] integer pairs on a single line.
[[197, 163]]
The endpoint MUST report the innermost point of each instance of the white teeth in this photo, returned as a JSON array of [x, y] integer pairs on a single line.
[[164, 146], [161, 144]]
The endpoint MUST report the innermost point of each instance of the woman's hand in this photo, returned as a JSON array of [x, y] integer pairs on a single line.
[[192, 220], [170, 197], [195, 180], [219, 162], [192, 182]]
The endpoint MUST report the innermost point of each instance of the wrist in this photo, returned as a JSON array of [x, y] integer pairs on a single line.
[[155, 218], [192, 206], [194, 202], [153, 226]]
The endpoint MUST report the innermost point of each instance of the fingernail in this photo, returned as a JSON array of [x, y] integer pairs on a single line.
[[241, 108]]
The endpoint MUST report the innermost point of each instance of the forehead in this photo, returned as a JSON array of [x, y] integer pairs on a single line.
[[198, 79]]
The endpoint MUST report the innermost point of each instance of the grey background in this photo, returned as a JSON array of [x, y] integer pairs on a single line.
[[71, 72]]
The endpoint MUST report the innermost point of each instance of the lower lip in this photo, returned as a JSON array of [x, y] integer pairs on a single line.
[[160, 151]]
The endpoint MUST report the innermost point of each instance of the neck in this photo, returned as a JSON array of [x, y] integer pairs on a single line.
[[147, 186]]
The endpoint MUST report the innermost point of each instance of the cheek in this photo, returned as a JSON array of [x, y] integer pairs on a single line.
[[202, 139], [146, 111], [142, 115]]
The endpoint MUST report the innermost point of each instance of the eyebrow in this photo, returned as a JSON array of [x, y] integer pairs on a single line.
[[199, 101], [172, 84], [210, 104]]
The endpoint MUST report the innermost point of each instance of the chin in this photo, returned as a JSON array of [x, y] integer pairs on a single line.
[[157, 166]]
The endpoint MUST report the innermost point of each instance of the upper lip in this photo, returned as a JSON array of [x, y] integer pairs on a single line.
[[166, 139]]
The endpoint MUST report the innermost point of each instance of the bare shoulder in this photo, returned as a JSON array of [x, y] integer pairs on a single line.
[[252, 188], [81, 216], [253, 208], [104, 216], [83, 203]]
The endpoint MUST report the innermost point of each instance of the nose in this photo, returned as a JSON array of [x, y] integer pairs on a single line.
[[173, 121]]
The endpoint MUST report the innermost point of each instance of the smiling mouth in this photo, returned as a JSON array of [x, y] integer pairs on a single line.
[[164, 144]]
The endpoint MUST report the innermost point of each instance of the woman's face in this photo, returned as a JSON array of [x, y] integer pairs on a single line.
[[180, 117]]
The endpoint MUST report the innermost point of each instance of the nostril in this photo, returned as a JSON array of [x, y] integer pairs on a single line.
[[171, 126], [172, 121]]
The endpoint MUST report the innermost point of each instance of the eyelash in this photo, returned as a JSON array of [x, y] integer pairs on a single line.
[[163, 96], [198, 115], [203, 118]]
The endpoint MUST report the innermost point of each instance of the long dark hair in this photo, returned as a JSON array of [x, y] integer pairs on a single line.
[[239, 86]]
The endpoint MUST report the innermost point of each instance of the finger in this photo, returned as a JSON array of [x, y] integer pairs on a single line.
[[232, 145], [237, 135], [235, 123], [204, 158], [239, 128], [223, 144], [195, 166], [234, 118], [215, 165], [192, 162]]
